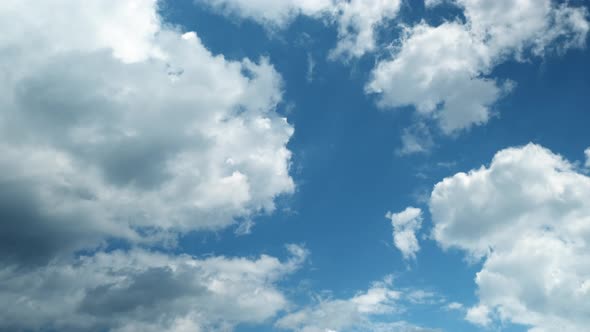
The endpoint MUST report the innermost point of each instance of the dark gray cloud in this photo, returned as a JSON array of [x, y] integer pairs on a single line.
[[30, 235], [141, 290], [98, 140], [145, 292]]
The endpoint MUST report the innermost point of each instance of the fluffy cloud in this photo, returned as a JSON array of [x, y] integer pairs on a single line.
[[443, 70], [125, 127], [527, 215], [357, 20], [405, 225], [116, 125], [513, 27], [447, 86], [479, 315], [587, 153], [145, 291]]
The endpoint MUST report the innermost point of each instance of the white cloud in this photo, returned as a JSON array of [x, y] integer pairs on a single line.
[[369, 310], [343, 314], [527, 215], [145, 291], [275, 14], [116, 125], [127, 29], [310, 68], [129, 125], [405, 225], [357, 20], [432, 3], [587, 153], [443, 71], [479, 315], [416, 139], [454, 306], [420, 296], [512, 27], [447, 87]]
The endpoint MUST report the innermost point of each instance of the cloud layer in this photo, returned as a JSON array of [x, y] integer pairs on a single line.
[[145, 291], [368, 310]]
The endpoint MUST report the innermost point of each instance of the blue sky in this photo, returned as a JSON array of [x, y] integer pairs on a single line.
[[253, 176]]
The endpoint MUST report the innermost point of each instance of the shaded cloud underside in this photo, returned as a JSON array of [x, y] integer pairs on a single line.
[[147, 135], [127, 128]]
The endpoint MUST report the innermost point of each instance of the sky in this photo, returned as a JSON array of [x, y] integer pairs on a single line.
[[283, 165]]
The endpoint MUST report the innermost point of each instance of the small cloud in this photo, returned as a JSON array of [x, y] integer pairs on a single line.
[[405, 225], [423, 297], [416, 139], [432, 3], [446, 164], [479, 315], [455, 306], [244, 228], [310, 68]]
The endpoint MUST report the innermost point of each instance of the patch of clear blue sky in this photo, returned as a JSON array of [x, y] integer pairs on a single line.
[[347, 173]]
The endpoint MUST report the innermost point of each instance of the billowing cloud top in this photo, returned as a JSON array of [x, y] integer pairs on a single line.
[[443, 70], [130, 125], [528, 216]]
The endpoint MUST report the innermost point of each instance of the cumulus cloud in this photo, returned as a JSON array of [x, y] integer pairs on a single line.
[[145, 291], [479, 315], [356, 20], [527, 215], [444, 71], [126, 127], [446, 87], [587, 153], [405, 225], [115, 125]]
